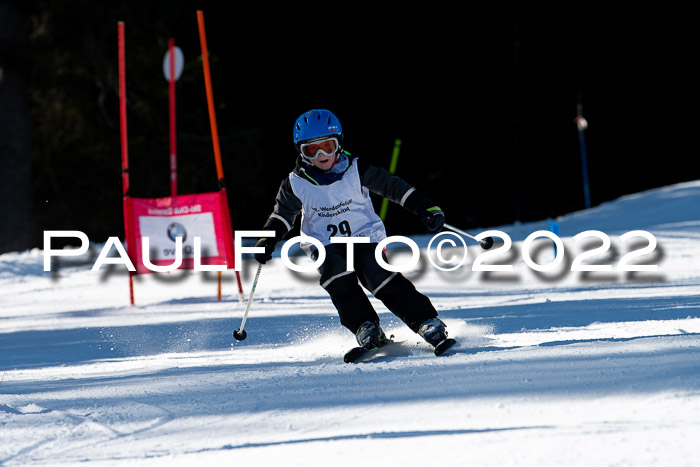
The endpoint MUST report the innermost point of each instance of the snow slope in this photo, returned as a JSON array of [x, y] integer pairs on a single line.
[[555, 368]]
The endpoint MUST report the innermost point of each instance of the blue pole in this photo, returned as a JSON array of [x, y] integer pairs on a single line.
[[554, 228]]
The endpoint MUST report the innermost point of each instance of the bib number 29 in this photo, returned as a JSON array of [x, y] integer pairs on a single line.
[[343, 228]]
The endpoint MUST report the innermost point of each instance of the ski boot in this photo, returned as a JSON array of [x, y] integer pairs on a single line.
[[434, 333], [370, 335]]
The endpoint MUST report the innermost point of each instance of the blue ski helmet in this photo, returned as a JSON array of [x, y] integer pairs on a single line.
[[315, 124]]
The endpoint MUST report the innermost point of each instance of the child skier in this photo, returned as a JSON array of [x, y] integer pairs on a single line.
[[330, 188]]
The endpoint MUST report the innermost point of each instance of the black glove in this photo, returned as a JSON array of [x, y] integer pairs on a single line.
[[269, 245], [433, 218]]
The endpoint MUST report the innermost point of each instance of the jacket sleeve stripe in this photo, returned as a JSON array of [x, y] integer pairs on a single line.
[[405, 196]]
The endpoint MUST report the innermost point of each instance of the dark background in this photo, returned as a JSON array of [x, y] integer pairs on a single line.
[[482, 96]]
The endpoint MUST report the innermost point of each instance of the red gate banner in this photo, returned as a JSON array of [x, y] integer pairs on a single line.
[[162, 220]]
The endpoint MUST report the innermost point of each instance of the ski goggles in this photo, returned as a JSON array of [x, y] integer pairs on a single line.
[[314, 149]]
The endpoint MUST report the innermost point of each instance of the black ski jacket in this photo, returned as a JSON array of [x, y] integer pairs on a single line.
[[376, 179]]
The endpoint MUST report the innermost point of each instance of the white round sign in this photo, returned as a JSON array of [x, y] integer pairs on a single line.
[[179, 63]]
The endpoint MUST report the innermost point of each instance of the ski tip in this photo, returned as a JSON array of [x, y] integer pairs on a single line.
[[358, 353], [353, 354], [443, 346]]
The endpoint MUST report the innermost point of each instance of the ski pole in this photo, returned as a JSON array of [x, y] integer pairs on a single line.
[[240, 333], [486, 243]]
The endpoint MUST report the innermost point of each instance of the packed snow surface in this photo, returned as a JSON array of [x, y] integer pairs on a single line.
[[552, 368]]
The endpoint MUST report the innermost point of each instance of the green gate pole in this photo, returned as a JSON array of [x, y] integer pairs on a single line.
[[392, 170]]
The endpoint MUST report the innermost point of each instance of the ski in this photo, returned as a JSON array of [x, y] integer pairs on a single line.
[[359, 354]]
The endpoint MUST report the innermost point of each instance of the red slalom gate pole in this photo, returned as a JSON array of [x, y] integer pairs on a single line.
[[214, 130], [122, 111], [124, 143], [210, 98], [173, 139]]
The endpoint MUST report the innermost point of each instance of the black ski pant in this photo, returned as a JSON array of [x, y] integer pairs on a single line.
[[354, 308]]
